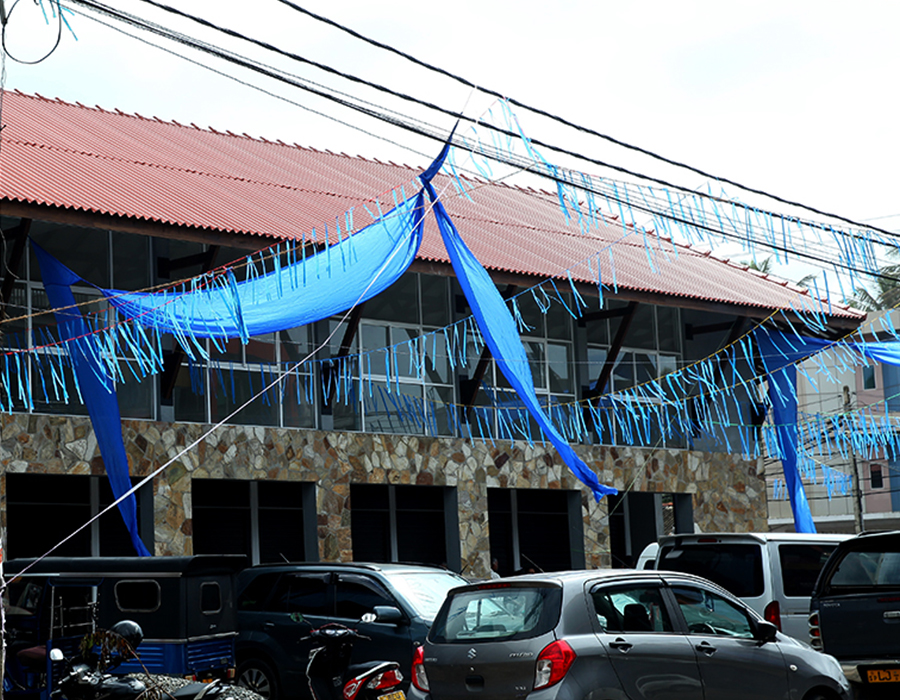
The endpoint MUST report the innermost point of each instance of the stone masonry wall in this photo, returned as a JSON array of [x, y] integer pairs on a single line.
[[728, 493]]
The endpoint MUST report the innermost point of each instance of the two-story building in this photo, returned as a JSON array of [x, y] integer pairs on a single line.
[[396, 468]]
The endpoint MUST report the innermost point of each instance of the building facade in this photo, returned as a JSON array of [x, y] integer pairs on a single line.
[[403, 464]]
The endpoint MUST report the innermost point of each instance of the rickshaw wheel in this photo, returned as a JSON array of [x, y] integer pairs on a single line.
[[259, 677]]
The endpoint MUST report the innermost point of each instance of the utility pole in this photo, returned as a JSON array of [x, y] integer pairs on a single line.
[[857, 491]]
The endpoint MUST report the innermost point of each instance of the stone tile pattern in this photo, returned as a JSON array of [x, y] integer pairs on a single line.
[[728, 492]]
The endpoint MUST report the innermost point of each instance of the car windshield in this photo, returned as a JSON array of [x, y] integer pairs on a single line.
[[424, 591], [736, 567], [497, 612]]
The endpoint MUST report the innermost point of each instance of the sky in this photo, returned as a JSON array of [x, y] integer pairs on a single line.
[[794, 98]]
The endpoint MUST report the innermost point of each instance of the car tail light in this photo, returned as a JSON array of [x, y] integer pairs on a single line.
[[385, 680], [419, 678], [815, 632], [552, 664], [772, 614]]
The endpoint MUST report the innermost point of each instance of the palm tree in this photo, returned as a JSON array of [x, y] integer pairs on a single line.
[[765, 266], [886, 292]]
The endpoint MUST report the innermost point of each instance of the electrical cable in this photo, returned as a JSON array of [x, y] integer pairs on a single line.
[[59, 23], [456, 115], [439, 136], [580, 128]]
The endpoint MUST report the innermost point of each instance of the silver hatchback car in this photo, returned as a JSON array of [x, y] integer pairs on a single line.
[[613, 635]]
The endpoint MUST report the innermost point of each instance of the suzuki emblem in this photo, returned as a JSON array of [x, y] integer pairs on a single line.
[[472, 653]]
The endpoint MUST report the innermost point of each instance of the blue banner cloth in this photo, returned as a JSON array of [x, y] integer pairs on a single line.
[[331, 281], [498, 327], [97, 389]]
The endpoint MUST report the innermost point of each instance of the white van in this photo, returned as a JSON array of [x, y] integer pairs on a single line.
[[774, 573]]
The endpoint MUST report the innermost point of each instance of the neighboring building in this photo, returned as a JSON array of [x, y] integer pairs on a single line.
[[874, 388], [132, 203]]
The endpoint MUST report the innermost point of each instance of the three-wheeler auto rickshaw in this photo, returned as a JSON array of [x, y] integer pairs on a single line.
[[185, 606]]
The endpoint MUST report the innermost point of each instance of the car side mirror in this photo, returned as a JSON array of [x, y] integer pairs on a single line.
[[387, 613], [765, 632]]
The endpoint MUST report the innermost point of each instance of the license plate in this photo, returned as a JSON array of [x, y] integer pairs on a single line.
[[883, 675], [396, 695]]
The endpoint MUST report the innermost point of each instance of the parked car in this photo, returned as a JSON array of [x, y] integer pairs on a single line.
[[279, 604], [612, 635], [184, 605], [773, 573], [855, 612]]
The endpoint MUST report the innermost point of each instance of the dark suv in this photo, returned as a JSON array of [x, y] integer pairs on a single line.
[[279, 604], [855, 612]]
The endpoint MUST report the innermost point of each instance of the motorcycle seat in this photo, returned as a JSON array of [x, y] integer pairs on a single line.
[[34, 657], [357, 670]]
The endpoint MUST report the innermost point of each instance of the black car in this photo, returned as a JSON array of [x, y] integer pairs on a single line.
[[855, 612], [279, 604], [613, 635]]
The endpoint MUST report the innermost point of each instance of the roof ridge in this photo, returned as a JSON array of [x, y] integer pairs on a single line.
[[116, 112]]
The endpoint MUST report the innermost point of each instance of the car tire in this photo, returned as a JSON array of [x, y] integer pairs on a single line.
[[258, 676]]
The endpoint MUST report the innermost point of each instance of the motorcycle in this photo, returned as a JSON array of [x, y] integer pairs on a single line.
[[332, 677], [103, 651]]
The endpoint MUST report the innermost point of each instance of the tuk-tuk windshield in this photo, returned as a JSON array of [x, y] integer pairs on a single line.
[[24, 597]]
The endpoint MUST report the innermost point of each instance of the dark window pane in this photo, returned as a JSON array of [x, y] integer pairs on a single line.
[[210, 597], [137, 596], [800, 566], [435, 301], [257, 593], [131, 261], [399, 302], [307, 595], [358, 595], [735, 567]]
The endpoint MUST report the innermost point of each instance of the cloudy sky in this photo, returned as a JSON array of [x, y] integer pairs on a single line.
[[795, 98]]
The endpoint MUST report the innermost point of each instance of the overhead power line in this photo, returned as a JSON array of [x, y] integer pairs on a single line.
[[403, 121], [562, 120], [459, 116]]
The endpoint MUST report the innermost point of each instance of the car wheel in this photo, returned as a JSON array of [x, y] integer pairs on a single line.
[[259, 677]]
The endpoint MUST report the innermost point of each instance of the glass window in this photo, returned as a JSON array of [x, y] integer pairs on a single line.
[[256, 594], [435, 301], [303, 594], [642, 331], [398, 409], [536, 358], [497, 611], [559, 320], [623, 372], [867, 569], [868, 377], [800, 566], [131, 261], [531, 314], [630, 609], [559, 362], [735, 567], [210, 597], [707, 613], [425, 592], [399, 302], [669, 329], [137, 595], [358, 595], [877, 477]]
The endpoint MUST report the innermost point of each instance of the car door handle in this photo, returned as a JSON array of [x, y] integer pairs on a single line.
[[269, 625], [706, 648], [621, 644]]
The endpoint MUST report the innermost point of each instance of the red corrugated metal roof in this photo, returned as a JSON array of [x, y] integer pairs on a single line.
[[72, 156]]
